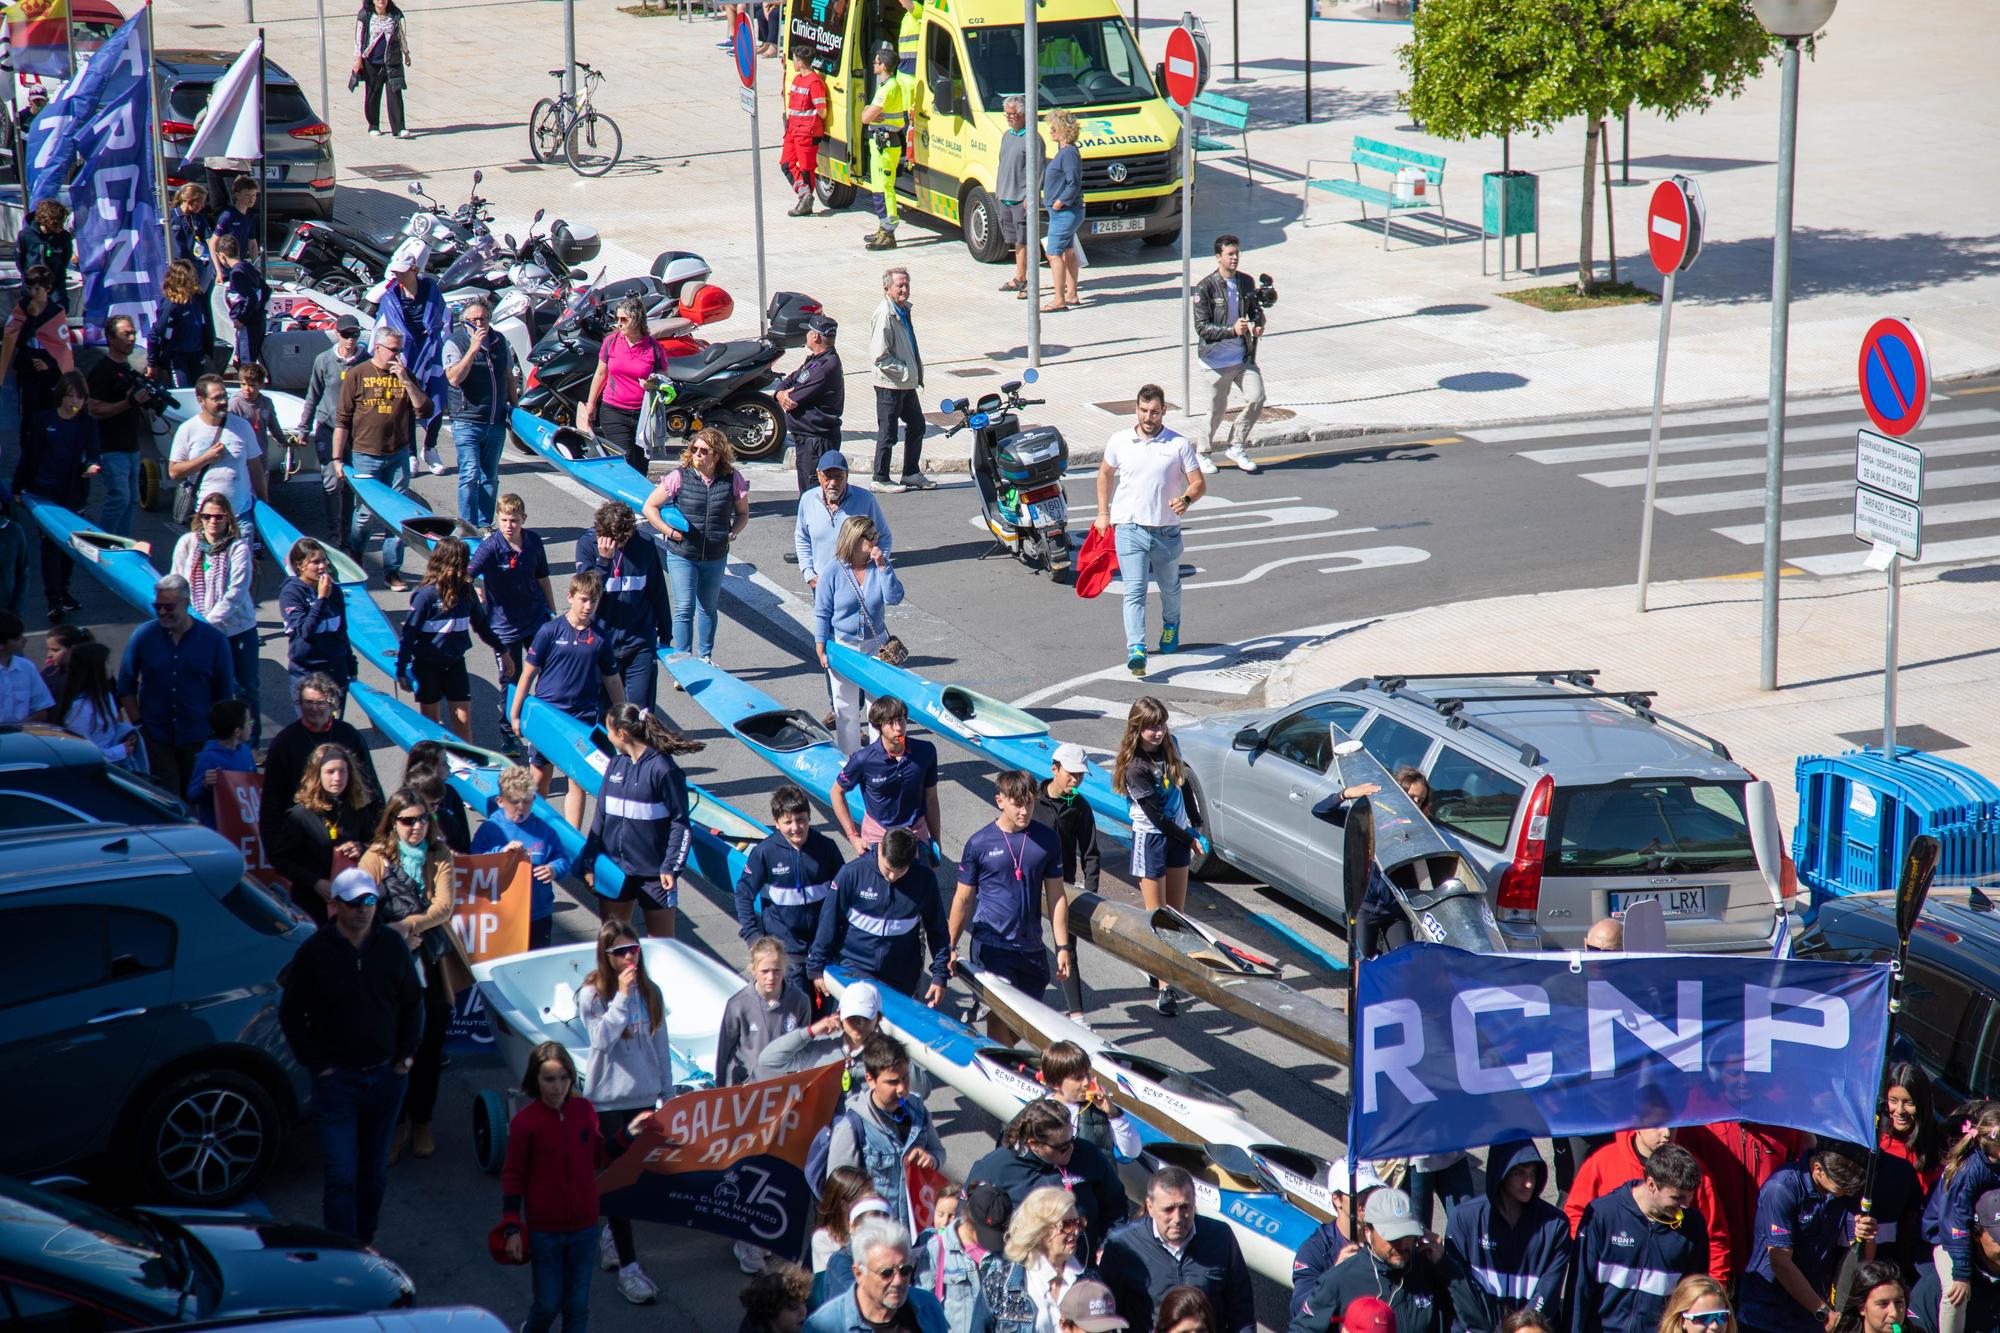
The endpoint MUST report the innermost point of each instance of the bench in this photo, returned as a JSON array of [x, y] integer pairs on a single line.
[[1390, 159], [1223, 115]]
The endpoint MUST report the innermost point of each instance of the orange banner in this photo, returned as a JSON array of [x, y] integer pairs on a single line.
[[239, 797], [714, 1128], [493, 902]]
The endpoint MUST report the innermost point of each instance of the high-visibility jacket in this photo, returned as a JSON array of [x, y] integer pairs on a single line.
[[897, 97], [908, 37]]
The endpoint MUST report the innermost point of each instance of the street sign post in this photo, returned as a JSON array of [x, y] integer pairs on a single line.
[[1675, 218], [1186, 75], [1889, 477], [743, 45]]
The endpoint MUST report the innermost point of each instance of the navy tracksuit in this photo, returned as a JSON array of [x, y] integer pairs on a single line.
[[1627, 1264], [878, 929], [316, 628], [1500, 1267], [642, 822], [634, 612], [781, 891]]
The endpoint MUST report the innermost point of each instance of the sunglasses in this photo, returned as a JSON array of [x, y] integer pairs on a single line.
[[623, 950], [165, 608], [1070, 1224], [1067, 1145], [365, 900], [477, 323], [1707, 1318], [412, 821], [214, 518], [904, 1271]]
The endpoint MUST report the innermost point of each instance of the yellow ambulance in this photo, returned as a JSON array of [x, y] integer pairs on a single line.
[[968, 60]]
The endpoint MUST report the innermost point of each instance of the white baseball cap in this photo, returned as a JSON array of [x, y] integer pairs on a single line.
[[353, 885], [1070, 755], [861, 1000]]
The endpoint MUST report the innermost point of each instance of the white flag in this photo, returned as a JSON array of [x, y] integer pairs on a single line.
[[232, 124]]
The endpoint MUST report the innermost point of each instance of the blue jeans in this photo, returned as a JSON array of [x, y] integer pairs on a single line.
[[391, 470], [1144, 551], [563, 1263], [356, 1113], [243, 658], [478, 446], [696, 585], [121, 491]]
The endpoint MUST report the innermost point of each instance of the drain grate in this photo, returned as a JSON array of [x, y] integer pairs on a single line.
[[1123, 407], [974, 372], [388, 171]]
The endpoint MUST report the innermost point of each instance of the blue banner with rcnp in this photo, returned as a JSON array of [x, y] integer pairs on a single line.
[[1460, 1050]]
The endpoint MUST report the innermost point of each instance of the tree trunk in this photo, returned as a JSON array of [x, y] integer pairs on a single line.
[[1610, 214], [1586, 268]]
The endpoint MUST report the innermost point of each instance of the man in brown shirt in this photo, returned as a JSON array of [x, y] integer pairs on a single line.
[[373, 429]]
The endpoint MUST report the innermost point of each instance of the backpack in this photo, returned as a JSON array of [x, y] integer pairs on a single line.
[[822, 1145]]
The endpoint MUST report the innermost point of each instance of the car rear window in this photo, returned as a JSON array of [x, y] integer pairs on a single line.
[[1953, 1023], [284, 105], [1661, 826], [1472, 800]]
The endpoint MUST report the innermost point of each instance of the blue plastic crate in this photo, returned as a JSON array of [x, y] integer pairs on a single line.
[[1859, 811]]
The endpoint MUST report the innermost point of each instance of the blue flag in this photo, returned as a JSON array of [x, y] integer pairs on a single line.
[[1460, 1050], [101, 126]]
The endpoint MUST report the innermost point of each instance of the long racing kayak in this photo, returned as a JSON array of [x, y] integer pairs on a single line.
[[1000, 1081], [791, 740], [722, 834], [1163, 943], [474, 773], [368, 630], [412, 519], [122, 564], [1013, 736], [580, 456]]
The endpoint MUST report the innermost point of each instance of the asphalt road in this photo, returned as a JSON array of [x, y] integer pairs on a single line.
[[1315, 540]]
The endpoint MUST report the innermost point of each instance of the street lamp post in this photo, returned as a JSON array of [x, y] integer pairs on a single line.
[[1792, 20]]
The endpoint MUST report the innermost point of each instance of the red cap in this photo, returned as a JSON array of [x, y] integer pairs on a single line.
[[1368, 1314], [496, 1243]]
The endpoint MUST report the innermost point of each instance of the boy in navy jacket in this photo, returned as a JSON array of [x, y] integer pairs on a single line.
[[785, 881], [247, 299], [883, 910], [634, 611], [1509, 1250], [1636, 1243]]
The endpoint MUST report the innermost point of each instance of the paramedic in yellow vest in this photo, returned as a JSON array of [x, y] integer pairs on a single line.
[[908, 36], [888, 122]]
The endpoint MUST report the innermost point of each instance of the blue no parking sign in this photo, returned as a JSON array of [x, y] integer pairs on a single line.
[[1895, 376]]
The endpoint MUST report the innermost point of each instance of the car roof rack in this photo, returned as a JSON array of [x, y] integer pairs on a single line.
[[1577, 683], [1582, 677]]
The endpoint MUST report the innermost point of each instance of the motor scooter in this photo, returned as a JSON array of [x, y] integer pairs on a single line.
[[1019, 475]]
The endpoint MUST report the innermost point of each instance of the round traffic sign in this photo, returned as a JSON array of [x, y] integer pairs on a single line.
[[1673, 226], [1895, 376], [744, 45], [1183, 67]]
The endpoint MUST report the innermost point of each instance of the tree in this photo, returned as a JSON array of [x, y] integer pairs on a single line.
[[1485, 67]]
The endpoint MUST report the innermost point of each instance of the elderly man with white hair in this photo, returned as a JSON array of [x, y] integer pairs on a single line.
[[898, 378], [884, 1294]]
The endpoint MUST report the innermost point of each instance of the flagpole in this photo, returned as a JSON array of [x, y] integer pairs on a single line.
[[69, 37], [263, 185], [159, 150]]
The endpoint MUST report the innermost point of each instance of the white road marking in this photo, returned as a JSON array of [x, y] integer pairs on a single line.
[[1751, 467], [1935, 553], [1838, 430], [1353, 562], [1842, 524], [1718, 502], [1714, 416], [1193, 663], [1291, 537]]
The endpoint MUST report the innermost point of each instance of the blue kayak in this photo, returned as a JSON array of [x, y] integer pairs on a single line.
[[1000, 1080], [122, 564], [1012, 736], [581, 457], [474, 773], [791, 740], [410, 517], [722, 834], [374, 640]]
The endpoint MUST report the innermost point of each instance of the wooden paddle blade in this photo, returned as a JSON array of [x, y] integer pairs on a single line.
[[1919, 868], [1357, 855]]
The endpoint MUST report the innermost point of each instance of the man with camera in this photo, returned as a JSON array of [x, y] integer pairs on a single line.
[[1229, 319], [119, 400]]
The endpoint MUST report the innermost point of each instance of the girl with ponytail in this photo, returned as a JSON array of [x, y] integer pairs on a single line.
[[642, 817]]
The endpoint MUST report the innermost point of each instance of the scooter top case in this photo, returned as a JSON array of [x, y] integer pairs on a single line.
[[1037, 456], [786, 318]]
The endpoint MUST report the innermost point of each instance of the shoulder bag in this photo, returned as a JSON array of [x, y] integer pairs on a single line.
[[892, 650], [187, 494]]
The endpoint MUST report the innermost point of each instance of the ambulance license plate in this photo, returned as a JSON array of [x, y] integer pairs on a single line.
[[1112, 226]]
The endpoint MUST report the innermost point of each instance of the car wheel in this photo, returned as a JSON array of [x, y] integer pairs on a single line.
[[1202, 865], [979, 219], [489, 1131], [206, 1139]]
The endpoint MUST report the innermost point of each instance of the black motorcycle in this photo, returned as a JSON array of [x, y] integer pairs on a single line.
[[343, 263]]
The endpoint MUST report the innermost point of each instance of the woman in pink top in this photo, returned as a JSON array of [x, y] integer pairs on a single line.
[[36, 344], [624, 360]]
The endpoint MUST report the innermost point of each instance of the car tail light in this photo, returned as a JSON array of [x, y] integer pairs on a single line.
[[1521, 883], [323, 183], [317, 130], [176, 182], [176, 131], [1788, 878]]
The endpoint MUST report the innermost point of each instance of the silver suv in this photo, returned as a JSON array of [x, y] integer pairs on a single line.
[[1572, 802]]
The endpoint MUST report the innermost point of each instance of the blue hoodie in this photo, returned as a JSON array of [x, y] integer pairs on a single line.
[[878, 927], [1627, 1264], [316, 629], [216, 756], [642, 817], [1502, 1266], [792, 883], [1948, 1215]]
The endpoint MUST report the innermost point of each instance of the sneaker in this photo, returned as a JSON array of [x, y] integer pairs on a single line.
[[917, 481], [55, 615], [69, 602], [884, 486], [1241, 457], [635, 1286], [1135, 659], [607, 1250], [1170, 639], [374, 133], [1169, 1002], [435, 463], [406, 134], [1207, 465], [800, 207], [750, 1258], [791, 557], [395, 583], [725, 46]]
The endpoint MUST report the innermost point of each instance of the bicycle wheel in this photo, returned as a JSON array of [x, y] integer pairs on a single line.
[[593, 144], [545, 136]]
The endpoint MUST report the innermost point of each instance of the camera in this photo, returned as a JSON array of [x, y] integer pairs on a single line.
[[1267, 294]]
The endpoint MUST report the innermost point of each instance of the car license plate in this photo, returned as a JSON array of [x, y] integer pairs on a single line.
[[1049, 513], [1111, 226], [294, 247], [1673, 902], [274, 173]]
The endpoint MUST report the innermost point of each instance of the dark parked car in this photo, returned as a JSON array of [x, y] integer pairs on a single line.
[[298, 144], [139, 1002], [434, 1319], [1951, 993], [50, 778], [70, 1265]]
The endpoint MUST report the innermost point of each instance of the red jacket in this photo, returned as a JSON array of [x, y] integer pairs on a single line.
[[1618, 1163], [552, 1163], [1737, 1159], [805, 106]]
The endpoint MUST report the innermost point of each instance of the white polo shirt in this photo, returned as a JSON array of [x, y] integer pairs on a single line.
[[1151, 474]]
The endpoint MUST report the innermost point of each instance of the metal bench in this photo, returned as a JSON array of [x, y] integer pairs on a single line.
[[1223, 115], [1385, 157]]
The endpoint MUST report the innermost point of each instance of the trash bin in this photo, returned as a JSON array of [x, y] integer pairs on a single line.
[[1858, 812], [1510, 205]]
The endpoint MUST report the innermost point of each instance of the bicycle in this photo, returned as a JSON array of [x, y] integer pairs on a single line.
[[568, 127]]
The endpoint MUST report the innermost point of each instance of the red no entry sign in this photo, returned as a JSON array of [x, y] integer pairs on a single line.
[[1895, 377], [1674, 218], [1184, 67]]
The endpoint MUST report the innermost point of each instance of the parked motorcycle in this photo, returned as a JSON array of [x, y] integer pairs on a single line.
[[1019, 475], [343, 263]]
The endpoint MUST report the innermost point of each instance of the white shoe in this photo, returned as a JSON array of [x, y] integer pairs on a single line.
[[635, 1286], [406, 134], [750, 1258], [435, 462], [607, 1250], [374, 134], [1239, 456], [1207, 467]]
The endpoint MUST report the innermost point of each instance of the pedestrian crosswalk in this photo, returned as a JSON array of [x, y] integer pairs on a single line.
[[1702, 453]]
